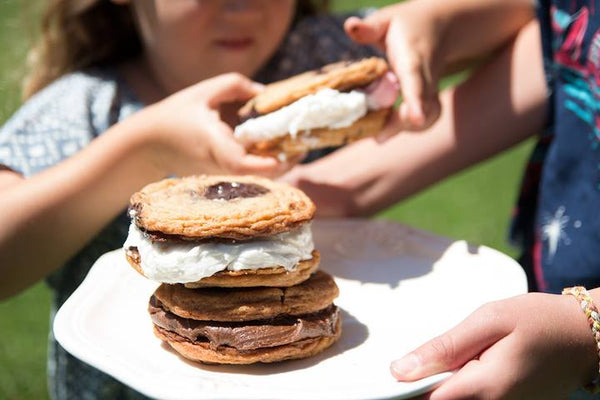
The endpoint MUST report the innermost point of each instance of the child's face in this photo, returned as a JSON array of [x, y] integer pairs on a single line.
[[190, 40]]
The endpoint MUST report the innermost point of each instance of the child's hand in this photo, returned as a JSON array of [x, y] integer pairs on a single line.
[[535, 346], [411, 37], [188, 135], [424, 39]]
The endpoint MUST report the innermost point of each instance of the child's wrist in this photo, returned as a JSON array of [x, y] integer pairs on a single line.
[[587, 326], [145, 141]]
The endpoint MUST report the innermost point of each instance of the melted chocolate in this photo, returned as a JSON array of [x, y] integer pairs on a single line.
[[234, 190], [248, 335]]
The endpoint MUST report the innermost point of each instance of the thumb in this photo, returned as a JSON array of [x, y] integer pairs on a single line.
[[226, 88], [371, 30], [421, 104], [452, 349], [232, 156]]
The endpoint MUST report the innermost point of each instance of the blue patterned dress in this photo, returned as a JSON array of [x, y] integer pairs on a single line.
[[558, 214], [558, 219], [67, 115]]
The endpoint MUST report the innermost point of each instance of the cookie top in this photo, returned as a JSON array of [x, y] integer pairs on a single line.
[[340, 76], [219, 206], [248, 304]]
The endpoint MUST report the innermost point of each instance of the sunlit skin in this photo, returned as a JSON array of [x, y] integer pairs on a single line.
[[225, 35], [186, 44]]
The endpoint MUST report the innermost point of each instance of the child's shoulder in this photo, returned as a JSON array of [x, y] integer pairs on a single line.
[[80, 98], [61, 119], [73, 91]]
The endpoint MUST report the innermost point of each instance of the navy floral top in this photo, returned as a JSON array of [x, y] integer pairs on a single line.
[[558, 218], [67, 115]]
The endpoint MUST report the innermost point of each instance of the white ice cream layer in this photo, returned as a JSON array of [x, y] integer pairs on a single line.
[[327, 108], [190, 262]]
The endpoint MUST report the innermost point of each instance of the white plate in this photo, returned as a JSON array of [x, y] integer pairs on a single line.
[[398, 288]]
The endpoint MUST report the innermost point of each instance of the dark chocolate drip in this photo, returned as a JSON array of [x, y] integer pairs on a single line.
[[234, 190]]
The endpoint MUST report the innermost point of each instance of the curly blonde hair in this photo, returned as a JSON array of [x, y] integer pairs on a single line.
[[78, 34]]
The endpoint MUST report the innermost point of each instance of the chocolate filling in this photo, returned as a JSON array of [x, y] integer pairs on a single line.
[[249, 335], [234, 190]]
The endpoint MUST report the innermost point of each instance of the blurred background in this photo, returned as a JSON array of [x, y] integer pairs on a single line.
[[474, 205]]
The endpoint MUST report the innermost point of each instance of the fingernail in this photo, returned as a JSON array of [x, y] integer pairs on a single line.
[[259, 87], [404, 112], [417, 114], [416, 110], [404, 366]]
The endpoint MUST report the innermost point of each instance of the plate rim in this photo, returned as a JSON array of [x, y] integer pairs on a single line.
[[94, 356]]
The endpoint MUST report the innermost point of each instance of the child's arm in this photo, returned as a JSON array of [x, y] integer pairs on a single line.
[[424, 39], [501, 104], [535, 346], [47, 218]]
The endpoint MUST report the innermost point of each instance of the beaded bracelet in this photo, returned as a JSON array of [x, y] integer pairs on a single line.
[[591, 312]]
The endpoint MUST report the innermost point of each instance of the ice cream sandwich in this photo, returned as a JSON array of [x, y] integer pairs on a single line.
[[237, 263], [331, 106], [222, 231], [248, 325]]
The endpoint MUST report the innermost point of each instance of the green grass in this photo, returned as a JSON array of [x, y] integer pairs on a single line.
[[473, 205], [24, 331], [24, 325]]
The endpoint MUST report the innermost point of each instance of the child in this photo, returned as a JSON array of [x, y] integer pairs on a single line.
[[536, 346], [114, 103]]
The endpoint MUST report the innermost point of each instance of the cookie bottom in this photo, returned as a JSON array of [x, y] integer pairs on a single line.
[[369, 125], [201, 352]]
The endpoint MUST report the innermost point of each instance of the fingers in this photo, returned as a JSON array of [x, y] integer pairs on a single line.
[[421, 104], [294, 176], [410, 74], [454, 348], [228, 88], [493, 375], [371, 30], [266, 166], [466, 383], [232, 157], [412, 65], [392, 127]]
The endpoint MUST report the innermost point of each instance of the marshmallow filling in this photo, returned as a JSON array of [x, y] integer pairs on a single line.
[[328, 108], [183, 262]]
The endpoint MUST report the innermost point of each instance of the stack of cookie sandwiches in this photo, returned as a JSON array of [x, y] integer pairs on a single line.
[[237, 266], [331, 106]]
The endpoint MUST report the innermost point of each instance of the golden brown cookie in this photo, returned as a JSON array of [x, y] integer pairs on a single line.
[[339, 76], [274, 277], [203, 352], [304, 141], [229, 207], [247, 304]]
